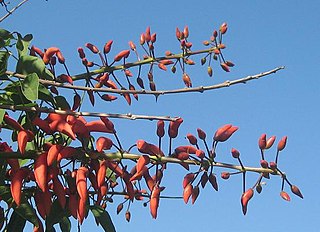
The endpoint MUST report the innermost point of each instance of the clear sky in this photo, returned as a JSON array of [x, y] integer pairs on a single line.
[[262, 35]]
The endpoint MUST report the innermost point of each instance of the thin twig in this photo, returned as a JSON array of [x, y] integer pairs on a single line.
[[12, 10], [89, 114], [200, 89], [149, 60]]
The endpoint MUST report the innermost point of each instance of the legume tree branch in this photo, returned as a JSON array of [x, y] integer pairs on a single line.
[[13, 10], [159, 92], [89, 114], [117, 156]]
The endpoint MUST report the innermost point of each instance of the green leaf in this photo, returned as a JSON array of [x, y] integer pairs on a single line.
[[5, 99], [56, 214], [45, 94], [4, 34], [3, 62], [110, 174], [16, 223], [65, 224], [47, 75], [5, 194], [23, 44], [103, 217], [3, 170], [5, 37], [26, 211], [50, 229], [62, 103], [30, 86], [2, 112], [22, 162], [30, 64]]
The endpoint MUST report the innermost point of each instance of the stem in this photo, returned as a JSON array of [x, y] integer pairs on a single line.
[[12, 10], [200, 89], [89, 114], [258, 181], [243, 181], [262, 154], [155, 159], [276, 161]]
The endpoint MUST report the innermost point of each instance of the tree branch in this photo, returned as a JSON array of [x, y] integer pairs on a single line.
[[149, 60], [89, 114], [200, 89], [12, 10], [117, 156]]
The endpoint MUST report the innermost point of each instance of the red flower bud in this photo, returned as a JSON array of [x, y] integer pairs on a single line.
[[187, 179], [223, 28], [160, 128], [270, 142], [200, 154], [142, 39], [187, 193], [128, 216], [224, 132], [195, 194], [107, 47], [282, 143], [204, 179], [225, 175], [178, 33], [92, 48], [262, 141], [246, 196], [285, 195], [119, 208], [186, 79], [153, 37], [235, 153], [264, 163], [225, 67], [81, 53], [273, 165], [213, 181], [192, 139], [229, 63], [186, 32], [295, 190], [132, 45], [173, 127], [210, 71], [201, 134], [259, 188]]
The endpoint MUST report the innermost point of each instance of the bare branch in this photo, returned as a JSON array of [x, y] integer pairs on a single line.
[[12, 10], [200, 89], [117, 156], [89, 114], [142, 62]]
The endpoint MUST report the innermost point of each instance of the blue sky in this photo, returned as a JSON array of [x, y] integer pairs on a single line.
[[262, 35]]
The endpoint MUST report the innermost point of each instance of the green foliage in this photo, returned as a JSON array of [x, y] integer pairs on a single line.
[[23, 44], [62, 103], [45, 95], [65, 224], [16, 223], [103, 218], [4, 56], [57, 214], [5, 37], [30, 86], [30, 64], [25, 212]]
